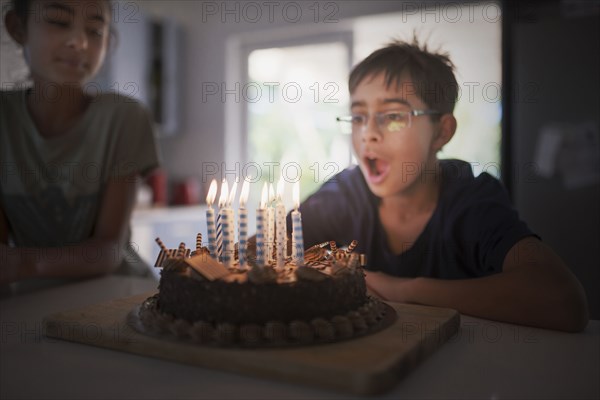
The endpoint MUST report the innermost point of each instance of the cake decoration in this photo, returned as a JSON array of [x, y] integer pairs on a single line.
[[208, 267], [198, 242], [352, 246]]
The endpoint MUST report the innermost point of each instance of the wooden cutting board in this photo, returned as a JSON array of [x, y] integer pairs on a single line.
[[366, 365]]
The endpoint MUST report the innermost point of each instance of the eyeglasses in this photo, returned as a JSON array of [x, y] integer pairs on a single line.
[[393, 121]]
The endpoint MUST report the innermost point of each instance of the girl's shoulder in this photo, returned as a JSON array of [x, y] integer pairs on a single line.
[[11, 99]]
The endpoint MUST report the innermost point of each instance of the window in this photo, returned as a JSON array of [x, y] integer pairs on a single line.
[[293, 121]]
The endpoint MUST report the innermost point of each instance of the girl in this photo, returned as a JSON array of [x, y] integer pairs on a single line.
[[70, 160]]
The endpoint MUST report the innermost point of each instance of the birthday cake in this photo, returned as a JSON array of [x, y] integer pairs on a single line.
[[324, 300], [257, 293]]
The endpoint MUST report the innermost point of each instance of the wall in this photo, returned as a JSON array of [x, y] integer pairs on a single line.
[[556, 52]]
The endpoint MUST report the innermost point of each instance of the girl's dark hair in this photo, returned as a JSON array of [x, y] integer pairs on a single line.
[[22, 10], [22, 7], [431, 73]]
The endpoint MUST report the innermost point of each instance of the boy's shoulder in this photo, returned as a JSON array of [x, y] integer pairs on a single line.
[[461, 189], [349, 179]]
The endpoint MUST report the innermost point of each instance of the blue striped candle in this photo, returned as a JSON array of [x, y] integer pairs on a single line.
[[212, 232], [260, 236], [297, 237], [243, 224], [243, 235]]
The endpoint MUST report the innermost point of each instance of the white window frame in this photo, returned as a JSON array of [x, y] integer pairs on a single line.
[[238, 49]]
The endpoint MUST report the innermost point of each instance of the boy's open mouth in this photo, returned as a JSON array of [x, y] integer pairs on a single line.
[[377, 167]]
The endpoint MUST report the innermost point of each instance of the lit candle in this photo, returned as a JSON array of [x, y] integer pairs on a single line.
[[210, 219], [232, 193], [229, 209], [222, 223], [270, 224], [261, 227], [280, 225], [297, 227], [243, 223], [229, 245]]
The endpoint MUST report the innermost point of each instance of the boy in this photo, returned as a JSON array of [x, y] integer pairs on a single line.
[[433, 233]]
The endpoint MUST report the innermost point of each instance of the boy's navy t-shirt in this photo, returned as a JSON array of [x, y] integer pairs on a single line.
[[469, 233]]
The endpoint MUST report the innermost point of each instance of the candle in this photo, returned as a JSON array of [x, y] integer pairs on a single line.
[[232, 193], [280, 225], [229, 210], [225, 222], [270, 224], [228, 239], [243, 223], [297, 227], [261, 227], [210, 219], [221, 229]]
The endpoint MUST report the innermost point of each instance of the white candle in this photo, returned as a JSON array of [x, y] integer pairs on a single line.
[[243, 224], [222, 226], [230, 199], [228, 239], [261, 228], [270, 224], [280, 225], [297, 227], [210, 219]]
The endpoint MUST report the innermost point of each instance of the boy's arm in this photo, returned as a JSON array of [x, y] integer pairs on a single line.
[[535, 288], [100, 254]]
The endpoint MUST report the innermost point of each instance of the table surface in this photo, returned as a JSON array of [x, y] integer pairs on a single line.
[[486, 359]]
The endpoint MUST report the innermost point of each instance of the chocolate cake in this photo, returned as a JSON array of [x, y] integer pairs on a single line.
[[324, 300]]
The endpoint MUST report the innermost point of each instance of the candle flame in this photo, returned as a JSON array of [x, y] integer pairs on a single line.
[[271, 193], [264, 198], [212, 193], [244, 193], [232, 192], [280, 188], [224, 194], [296, 195]]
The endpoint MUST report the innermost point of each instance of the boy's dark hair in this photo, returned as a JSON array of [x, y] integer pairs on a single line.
[[431, 73], [21, 8]]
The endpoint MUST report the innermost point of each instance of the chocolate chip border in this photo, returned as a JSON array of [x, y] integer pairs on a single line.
[[371, 317]]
